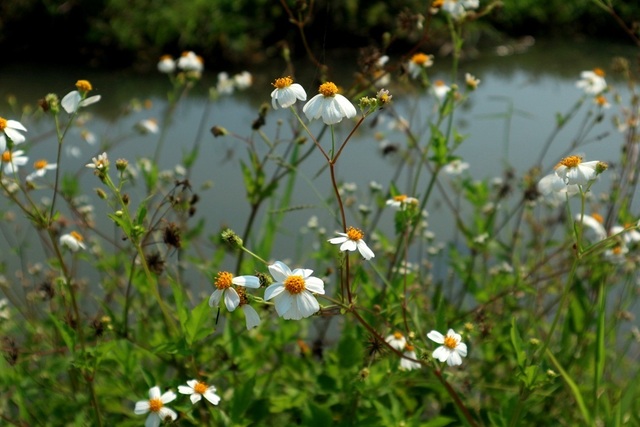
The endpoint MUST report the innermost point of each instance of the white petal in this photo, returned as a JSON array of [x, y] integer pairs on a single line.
[[154, 392], [349, 245], [212, 397], [346, 107], [279, 271], [338, 240], [441, 353], [364, 250], [183, 389], [165, 413], [214, 299], [14, 124], [142, 407], [454, 359], [192, 384], [90, 100], [307, 304], [15, 136], [436, 336], [313, 108], [314, 284], [246, 281], [167, 397], [195, 398], [71, 101], [153, 420], [231, 299], [283, 303], [273, 291], [461, 348], [251, 316]]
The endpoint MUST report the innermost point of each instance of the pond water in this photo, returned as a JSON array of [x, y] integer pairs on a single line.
[[528, 85]]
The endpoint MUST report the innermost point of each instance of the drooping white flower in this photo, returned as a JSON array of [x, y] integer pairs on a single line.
[[572, 170], [293, 291], [419, 62], [554, 188], [148, 126], [73, 241], [329, 105], [12, 160], [197, 390], [406, 362], [440, 89], [592, 82], [402, 202], [166, 64], [594, 225], [11, 129], [458, 8], [225, 291], [189, 61], [396, 340], [41, 167], [286, 93], [78, 98], [155, 407], [452, 349], [243, 80], [352, 240]]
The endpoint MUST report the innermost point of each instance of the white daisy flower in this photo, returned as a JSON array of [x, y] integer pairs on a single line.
[[594, 225], [592, 82], [148, 126], [293, 291], [73, 241], [243, 80], [471, 81], [78, 98], [100, 163], [458, 8], [417, 63], [286, 93], [189, 61], [166, 64], [352, 240], [452, 349], [402, 202], [41, 167], [440, 90], [406, 364], [11, 129], [396, 340], [329, 105], [554, 188], [225, 85], [455, 167], [12, 160], [225, 291], [197, 389], [155, 407], [572, 170]]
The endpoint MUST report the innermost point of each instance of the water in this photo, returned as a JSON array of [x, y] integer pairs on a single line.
[[508, 120]]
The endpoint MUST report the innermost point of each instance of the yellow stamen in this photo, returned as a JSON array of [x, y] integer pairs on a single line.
[[83, 85], [570, 162], [200, 387], [617, 250], [77, 236], [409, 347], [400, 198], [601, 100], [294, 284], [155, 404], [40, 164], [439, 83], [3, 123], [283, 82], [420, 58], [328, 89], [599, 72], [598, 218], [397, 335], [166, 57], [437, 3], [450, 342], [6, 156], [224, 280], [354, 234]]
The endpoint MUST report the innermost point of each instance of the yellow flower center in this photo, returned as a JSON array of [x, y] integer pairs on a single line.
[[83, 85], [571, 161], [283, 82], [437, 3], [294, 284], [224, 280], [617, 250], [6, 156], [200, 387], [77, 236], [409, 347], [3, 123], [598, 72], [354, 234], [450, 342], [601, 100], [420, 58], [598, 218], [40, 164], [439, 83], [397, 335], [400, 198], [155, 404], [166, 58], [328, 89]]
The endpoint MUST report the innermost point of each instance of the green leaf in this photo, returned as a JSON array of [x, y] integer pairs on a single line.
[[68, 335], [195, 327], [242, 398], [516, 342]]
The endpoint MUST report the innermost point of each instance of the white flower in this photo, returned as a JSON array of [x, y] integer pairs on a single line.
[[77, 98], [155, 407], [224, 290], [406, 364], [572, 170], [73, 241], [243, 80], [99, 163], [292, 291], [352, 240], [440, 89], [418, 62], [286, 93], [397, 341], [455, 167], [452, 349], [329, 105], [11, 128], [602, 102], [471, 82], [41, 167], [553, 187], [458, 8], [594, 225], [12, 160], [225, 84], [189, 61], [148, 126], [402, 202], [592, 82], [166, 64], [197, 389]]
